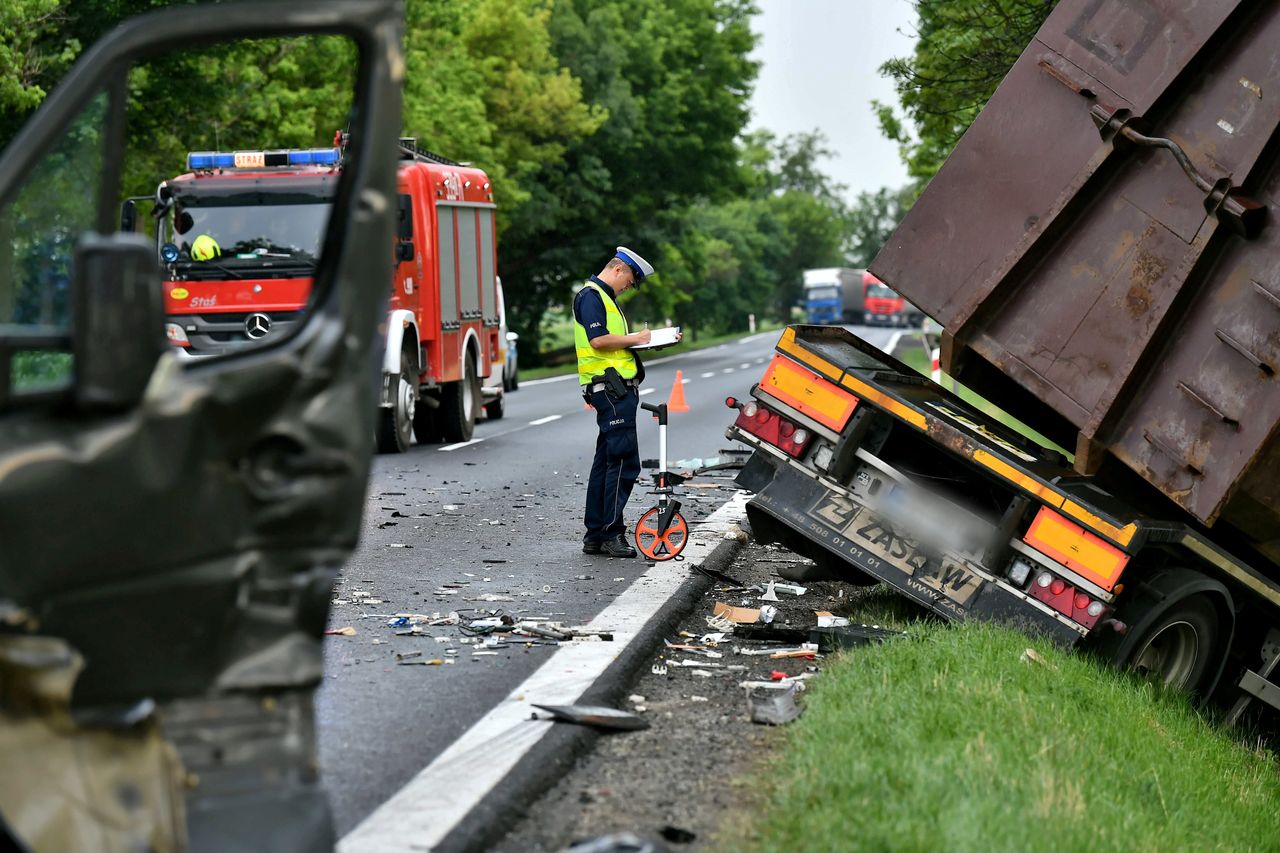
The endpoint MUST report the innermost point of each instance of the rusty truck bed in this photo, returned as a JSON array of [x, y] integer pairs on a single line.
[[1102, 250]]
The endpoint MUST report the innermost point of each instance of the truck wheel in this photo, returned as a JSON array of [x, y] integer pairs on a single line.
[[460, 404], [1175, 642], [395, 425], [496, 408]]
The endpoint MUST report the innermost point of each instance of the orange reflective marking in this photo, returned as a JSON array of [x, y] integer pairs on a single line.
[[808, 393], [1076, 548]]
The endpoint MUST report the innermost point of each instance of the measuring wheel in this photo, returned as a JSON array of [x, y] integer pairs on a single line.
[[661, 533], [658, 544]]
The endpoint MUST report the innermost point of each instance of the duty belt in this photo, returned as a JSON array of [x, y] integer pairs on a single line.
[[595, 387]]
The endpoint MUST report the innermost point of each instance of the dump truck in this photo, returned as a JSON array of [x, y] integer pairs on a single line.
[[1099, 253]]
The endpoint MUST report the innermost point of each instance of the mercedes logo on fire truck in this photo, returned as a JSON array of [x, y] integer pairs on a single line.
[[256, 326]]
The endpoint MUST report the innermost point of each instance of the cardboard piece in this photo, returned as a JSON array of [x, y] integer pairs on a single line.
[[737, 615]]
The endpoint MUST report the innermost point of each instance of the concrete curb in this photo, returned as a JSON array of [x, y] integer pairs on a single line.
[[556, 753]]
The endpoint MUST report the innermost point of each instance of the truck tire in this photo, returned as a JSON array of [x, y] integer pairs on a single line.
[[395, 425], [460, 404], [1175, 637]]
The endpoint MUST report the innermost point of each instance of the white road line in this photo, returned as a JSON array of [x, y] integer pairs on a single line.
[[727, 370], [708, 374], [684, 381], [644, 391], [561, 378], [548, 419], [461, 444], [893, 343], [423, 813], [744, 365]]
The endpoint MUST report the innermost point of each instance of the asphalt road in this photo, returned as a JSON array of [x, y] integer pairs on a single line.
[[490, 526]]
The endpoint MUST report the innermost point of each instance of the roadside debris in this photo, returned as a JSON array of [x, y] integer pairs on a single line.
[[1032, 656], [618, 842], [341, 632], [596, 716], [773, 704]]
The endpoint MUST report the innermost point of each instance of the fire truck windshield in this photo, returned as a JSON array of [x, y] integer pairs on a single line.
[[251, 230]]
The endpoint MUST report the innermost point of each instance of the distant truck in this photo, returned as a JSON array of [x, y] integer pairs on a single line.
[[834, 295], [885, 306], [1121, 297], [238, 237]]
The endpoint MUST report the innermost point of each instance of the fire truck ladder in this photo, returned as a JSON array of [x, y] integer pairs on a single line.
[[409, 150]]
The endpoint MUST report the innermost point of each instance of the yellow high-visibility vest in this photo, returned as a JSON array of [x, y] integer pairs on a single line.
[[591, 361]]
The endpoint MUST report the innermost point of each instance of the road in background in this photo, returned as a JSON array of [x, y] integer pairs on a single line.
[[494, 524]]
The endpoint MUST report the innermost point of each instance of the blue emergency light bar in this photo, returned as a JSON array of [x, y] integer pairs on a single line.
[[198, 160]]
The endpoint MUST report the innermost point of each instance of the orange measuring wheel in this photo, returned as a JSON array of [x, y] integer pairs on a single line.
[[661, 545]]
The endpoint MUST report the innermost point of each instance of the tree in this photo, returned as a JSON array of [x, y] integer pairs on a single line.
[[671, 78], [964, 50], [872, 219], [721, 261]]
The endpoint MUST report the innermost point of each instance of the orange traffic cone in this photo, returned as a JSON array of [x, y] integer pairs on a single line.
[[676, 403]]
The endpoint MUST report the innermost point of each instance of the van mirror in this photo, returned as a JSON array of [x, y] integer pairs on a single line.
[[118, 317]]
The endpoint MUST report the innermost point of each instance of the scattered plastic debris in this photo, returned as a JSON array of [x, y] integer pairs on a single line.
[[341, 632], [737, 615], [772, 704], [829, 620]]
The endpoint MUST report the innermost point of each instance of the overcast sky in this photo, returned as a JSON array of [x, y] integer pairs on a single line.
[[819, 72]]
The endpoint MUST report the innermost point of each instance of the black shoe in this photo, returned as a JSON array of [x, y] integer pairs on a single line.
[[590, 547], [617, 547]]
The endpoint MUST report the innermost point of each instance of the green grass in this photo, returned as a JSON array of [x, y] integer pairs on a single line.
[[684, 346], [949, 740], [911, 353]]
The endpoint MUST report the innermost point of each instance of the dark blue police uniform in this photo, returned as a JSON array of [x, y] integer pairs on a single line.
[[616, 466]]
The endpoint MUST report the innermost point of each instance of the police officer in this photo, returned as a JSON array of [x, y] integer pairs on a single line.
[[609, 374]]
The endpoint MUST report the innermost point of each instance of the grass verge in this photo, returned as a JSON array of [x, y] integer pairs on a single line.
[[950, 740]]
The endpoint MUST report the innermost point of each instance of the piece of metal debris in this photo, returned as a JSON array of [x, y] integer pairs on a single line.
[[598, 716]]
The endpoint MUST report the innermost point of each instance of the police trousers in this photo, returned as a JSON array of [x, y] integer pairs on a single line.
[[616, 466]]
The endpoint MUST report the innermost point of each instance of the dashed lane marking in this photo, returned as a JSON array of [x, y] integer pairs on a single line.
[[461, 445], [548, 419], [708, 374]]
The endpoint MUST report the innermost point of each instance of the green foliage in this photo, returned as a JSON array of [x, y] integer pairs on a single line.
[[951, 739], [965, 49], [721, 261], [872, 219], [671, 78]]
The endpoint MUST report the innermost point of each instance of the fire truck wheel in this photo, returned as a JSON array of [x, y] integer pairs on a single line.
[[395, 425], [460, 404]]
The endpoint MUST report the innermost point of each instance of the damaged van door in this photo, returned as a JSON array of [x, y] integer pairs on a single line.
[[170, 530]]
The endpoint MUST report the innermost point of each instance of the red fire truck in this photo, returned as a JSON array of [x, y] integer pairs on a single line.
[[239, 235]]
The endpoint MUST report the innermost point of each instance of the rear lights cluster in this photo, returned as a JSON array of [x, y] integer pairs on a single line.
[[1073, 603], [771, 427]]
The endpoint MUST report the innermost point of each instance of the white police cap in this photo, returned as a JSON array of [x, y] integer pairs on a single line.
[[639, 265]]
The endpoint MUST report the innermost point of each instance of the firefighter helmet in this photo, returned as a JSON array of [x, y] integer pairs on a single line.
[[205, 248]]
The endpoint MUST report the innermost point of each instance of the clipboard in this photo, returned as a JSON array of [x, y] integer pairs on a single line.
[[661, 338]]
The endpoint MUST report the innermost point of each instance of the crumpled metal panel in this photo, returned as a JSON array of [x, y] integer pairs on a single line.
[[1107, 226], [186, 547]]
